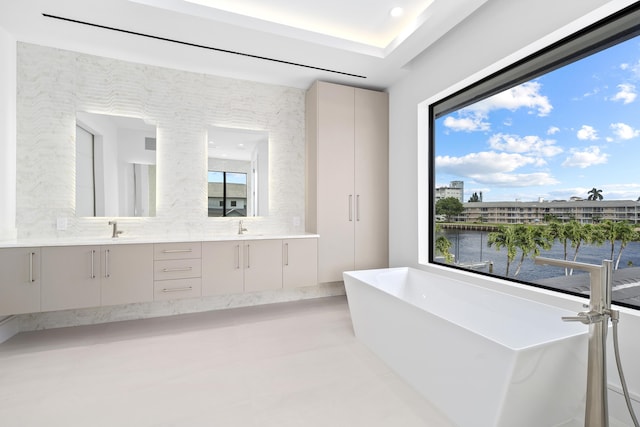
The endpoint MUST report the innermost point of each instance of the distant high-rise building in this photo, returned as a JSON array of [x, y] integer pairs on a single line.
[[455, 189]]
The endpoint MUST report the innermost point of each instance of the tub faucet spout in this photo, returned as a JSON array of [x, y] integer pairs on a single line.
[[601, 280]]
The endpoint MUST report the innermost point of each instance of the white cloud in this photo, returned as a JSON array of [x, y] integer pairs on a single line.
[[627, 93], [516, 180], [525, 145], [467, 124], [526, 95], [482, 163], [585, 158], [624, 131], [553, 130], [587, 133]]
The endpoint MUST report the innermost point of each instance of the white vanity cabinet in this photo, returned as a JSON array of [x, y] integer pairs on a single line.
[[90, 276], [222, 268], [20, 280], [299, 262], [126, 274], [177, 270], [70, 277], [347, 177], [241, 266], [262, 265]]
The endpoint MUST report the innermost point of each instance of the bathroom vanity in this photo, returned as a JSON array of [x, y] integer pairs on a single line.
[[69, 275]]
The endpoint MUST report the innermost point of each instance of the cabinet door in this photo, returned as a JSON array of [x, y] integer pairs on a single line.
[[371, 179], [127, 274], [335, 180], [20, 282], [262, 265], [300, 262], [222, 268], [70, 277]]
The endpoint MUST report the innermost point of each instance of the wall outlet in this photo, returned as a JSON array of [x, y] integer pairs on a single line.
[[61, 224], [296, 221]]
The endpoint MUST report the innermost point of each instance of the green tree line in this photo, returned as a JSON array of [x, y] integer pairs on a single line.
[[525, 240]]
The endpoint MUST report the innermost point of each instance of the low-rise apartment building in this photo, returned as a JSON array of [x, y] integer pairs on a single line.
[[583, 211]]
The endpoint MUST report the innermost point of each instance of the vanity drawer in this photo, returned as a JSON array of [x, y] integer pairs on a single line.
[[177, 269], [177, 289], [177, 250]]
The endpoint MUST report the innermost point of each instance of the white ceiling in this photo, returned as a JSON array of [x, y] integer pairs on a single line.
[[286, 42]]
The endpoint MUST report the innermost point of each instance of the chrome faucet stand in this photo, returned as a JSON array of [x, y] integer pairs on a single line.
[[241, 228], [114, 231], [601, 279]]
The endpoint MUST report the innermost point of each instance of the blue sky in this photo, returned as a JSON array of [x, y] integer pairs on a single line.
[[554, 137]]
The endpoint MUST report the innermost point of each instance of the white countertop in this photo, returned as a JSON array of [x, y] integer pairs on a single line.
[[124, 240]]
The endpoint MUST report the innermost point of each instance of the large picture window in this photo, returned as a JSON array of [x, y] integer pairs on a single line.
[[543, 158]]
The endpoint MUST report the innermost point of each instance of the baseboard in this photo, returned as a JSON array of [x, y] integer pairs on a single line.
[[8, 327]]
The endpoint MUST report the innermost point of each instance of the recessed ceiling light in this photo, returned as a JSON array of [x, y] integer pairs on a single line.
[[396, 12]]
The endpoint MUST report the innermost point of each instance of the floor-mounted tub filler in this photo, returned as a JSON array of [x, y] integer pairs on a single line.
[[484, 358]]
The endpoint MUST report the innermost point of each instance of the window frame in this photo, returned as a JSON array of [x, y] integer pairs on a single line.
[[617, 26]]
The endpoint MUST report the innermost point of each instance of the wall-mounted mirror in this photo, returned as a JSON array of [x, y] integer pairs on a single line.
[[115, 166], [238, 172]]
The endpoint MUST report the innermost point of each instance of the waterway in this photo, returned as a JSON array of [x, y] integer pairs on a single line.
[[471, 247]]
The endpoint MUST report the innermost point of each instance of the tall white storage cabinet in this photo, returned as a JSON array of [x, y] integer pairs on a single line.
[[347, 177]]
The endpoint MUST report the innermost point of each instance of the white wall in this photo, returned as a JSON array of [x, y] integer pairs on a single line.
[[7, 136], [54, 84], [496, 35]]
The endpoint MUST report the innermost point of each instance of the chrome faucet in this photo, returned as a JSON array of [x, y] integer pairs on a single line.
[[601, 280], [241, 228], [115, 232]]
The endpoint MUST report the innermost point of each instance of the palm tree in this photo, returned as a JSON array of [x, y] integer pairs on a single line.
[[530, 239], [626, 233], [608, 229], [442, 247], [576, 233], [506, 237], [594, 194], [557, 231]]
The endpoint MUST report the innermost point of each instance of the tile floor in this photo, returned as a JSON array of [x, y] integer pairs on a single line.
[[293, 364]]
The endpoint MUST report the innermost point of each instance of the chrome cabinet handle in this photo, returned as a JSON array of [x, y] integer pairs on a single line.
[[237, 257], [31, 278], [169, 270], [286, 254], [93, 273], [350, 207], [248, 256], [176, 251], [186, 288], [358, 207], [106, 264]]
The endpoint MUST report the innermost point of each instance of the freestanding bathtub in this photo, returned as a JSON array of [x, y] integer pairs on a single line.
[[484, 358]]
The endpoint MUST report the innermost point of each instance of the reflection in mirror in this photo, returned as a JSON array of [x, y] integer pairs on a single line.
[[115, 166], [238, 171]]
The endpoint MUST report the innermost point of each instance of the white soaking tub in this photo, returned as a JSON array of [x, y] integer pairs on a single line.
[[484, 358]]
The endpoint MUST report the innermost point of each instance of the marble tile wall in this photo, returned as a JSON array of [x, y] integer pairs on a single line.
[[53, 84]]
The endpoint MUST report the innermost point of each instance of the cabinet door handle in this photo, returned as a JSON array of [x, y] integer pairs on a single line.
[[286, 254], [248, 256], [176, 251], [93, 272], [237, 257], [186, 288], [31, 278], [350, 207], [358, 207], [170, 270], [106, 264]]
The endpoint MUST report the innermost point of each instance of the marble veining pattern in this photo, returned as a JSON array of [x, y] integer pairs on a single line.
[[53, 84]]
